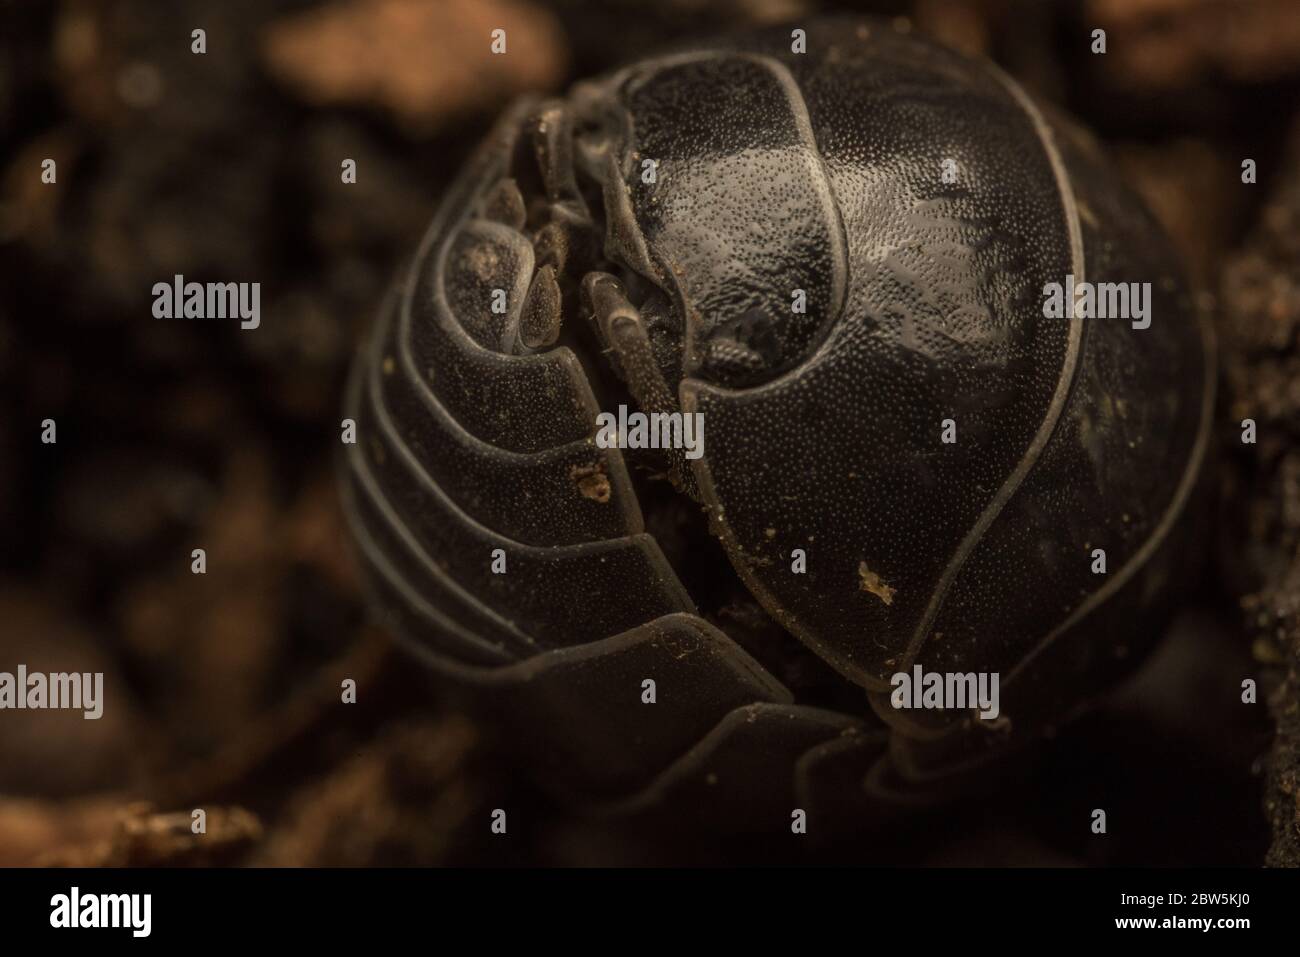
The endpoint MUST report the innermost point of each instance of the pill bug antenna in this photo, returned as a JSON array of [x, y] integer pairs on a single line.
[[621, 329], [565, 192], [624, 334]]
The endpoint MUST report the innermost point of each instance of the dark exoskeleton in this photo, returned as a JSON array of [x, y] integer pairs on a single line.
[[829, 255]]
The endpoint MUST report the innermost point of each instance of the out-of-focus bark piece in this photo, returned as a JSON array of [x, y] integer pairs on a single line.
[[1261, 301], [422, 62], [1157, 45]]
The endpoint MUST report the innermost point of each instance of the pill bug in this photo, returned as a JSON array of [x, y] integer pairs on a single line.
[[644, 241]]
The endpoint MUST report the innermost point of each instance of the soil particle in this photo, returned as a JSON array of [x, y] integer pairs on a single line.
[[871, 582], [592, 481]]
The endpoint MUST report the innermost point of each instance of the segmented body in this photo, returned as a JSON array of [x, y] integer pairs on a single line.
[[775, 172]]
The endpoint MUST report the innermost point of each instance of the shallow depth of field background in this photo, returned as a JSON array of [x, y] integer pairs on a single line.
[[223, 688]]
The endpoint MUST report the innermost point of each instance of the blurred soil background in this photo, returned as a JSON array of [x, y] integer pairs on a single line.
[[223, 688]]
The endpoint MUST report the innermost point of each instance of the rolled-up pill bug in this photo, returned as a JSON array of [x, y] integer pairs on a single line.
[[842, 260]]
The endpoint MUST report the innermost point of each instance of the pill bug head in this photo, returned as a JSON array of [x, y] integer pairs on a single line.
[[716, 217]]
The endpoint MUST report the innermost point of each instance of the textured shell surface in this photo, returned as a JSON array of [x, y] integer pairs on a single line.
[[644, 240]]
